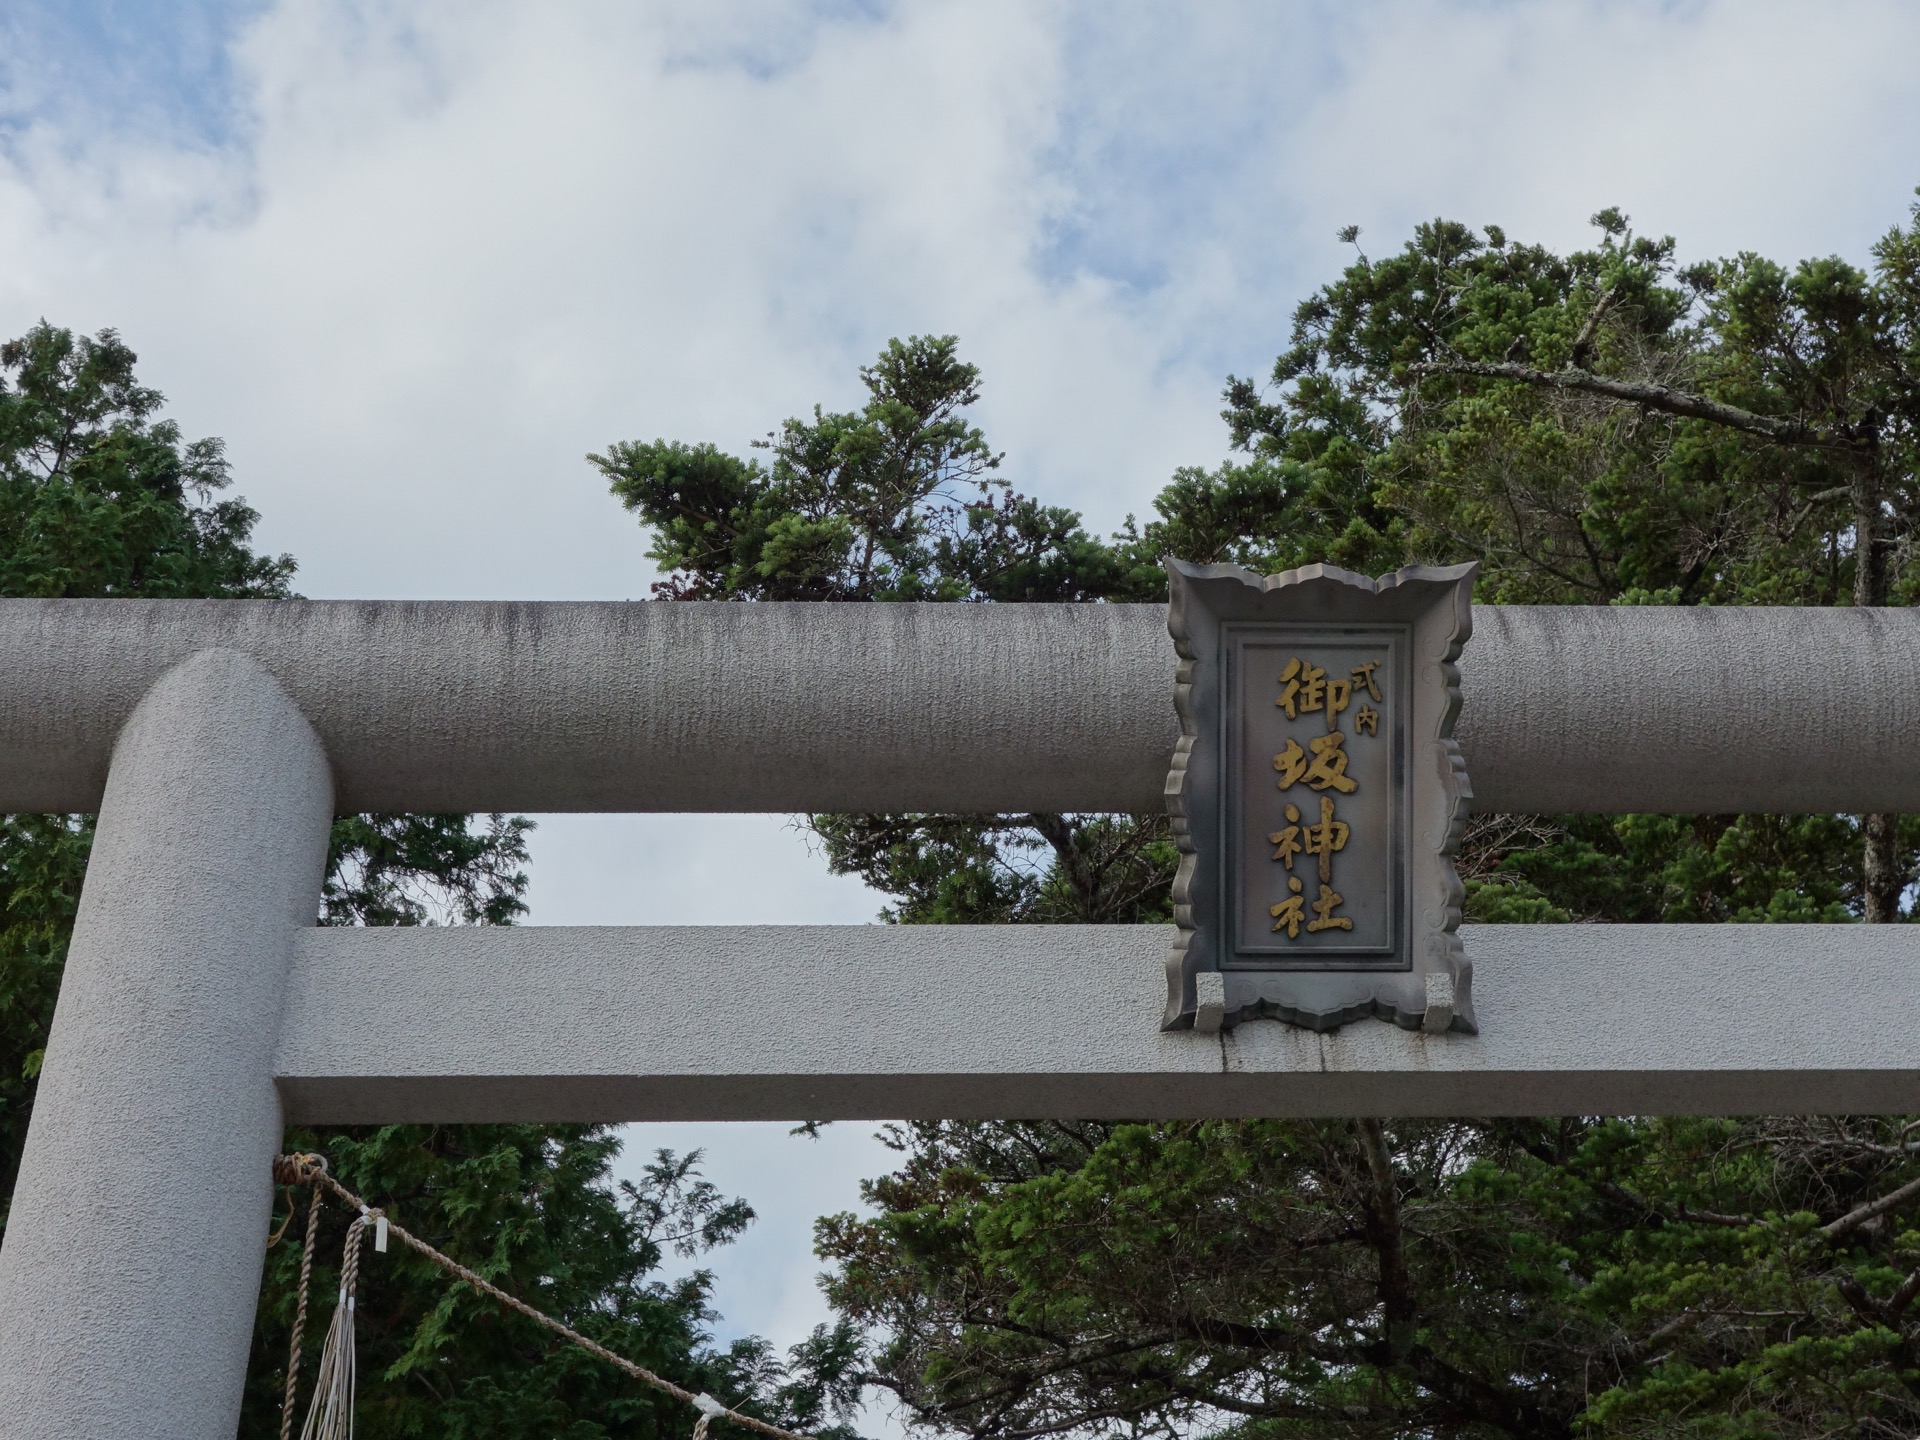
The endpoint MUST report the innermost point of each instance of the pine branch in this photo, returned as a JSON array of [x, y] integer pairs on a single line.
[[1663, 398]]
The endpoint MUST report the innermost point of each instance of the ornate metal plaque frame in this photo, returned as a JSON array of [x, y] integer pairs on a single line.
[[1362, 671]]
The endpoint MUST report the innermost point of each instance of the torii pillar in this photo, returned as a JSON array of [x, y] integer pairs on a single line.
[[132, 1256], [216, 738]]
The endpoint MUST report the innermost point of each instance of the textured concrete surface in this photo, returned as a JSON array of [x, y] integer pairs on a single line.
[[796, 1023], [653, 706], [620, 707], [133, 1250], [197, 998]]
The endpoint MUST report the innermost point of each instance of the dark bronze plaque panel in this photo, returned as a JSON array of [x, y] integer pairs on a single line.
[[1332, 822], [1318, 796]]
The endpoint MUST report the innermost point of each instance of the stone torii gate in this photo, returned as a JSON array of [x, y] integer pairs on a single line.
[[202, 1010]]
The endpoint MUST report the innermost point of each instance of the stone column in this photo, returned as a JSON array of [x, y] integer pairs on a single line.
[[133, 1251]]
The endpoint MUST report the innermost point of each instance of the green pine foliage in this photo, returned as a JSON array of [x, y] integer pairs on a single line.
[[1599, 427], [1571, 1277], [899, 500], [530, 1208], [43, 859], [100, 497]]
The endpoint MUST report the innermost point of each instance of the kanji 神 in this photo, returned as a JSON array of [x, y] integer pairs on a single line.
[[1325, 838]]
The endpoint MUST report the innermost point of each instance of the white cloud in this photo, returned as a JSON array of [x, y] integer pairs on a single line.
[[686, 870], [1765, 126], [450, 249], [445, 250], [462, 249]]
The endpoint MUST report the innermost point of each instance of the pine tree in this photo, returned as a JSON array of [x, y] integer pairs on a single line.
[[101, 497], [1596, 428]]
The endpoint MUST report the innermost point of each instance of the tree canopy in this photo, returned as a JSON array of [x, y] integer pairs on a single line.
[[1598, 427], [101, 497], [1605, 426]]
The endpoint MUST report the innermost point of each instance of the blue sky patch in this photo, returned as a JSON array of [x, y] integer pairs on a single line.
[[117, 65]]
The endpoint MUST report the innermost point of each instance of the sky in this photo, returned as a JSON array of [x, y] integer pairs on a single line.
[[414, 261]]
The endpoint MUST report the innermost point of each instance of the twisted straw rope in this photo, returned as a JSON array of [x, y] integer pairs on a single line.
[[300, 1310], [308, 1169], [331, 1415]]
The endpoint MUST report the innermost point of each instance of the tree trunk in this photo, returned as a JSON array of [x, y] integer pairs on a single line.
[[1883, 877]]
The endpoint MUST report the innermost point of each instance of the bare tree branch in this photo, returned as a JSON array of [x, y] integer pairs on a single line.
[[1663, 398], [1903, 1297], [1582, 356], [1640, 1351], [1872, 1210], [1876, 1315]]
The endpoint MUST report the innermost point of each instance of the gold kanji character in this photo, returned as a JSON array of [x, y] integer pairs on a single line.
[[1367, 719], [1291, 763], [1286, 843], [1288, 914], [1339, 692], [1363, 678], [1328, 770], [1304, 688], [1329, 901], [1325, 838]]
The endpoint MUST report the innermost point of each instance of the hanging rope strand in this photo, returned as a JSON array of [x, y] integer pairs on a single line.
[[311, 1169], [330, 1417], [300, 1307]]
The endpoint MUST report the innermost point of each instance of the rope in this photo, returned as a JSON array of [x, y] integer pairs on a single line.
[[709, 1409], [293, 1209], [300, 1309], [312, 1170], [331, 1415]]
